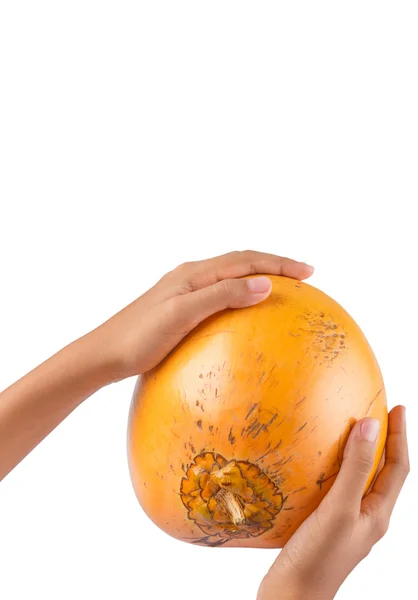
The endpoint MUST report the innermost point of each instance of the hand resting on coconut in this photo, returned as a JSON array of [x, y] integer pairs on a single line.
[[341, 532]]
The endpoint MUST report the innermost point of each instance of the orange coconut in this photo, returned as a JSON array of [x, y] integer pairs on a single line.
[[237, 435]]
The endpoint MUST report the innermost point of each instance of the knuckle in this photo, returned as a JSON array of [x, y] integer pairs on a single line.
[[344, 518], [403, 472], [381, 526], [363, 465], [405, 468], [183, 268], [232, 291], [364, 553], [220, 291], [168, 276], [173, 308], [402, 467], [339, 514], [223, 288], [182, 275], [178, 274], [247, 256], [233, 255]]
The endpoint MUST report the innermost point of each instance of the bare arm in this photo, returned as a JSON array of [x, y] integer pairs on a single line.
[[33, 406], [344, 528], [310, 567], [131, 342]]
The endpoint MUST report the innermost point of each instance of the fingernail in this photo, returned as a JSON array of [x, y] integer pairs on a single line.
[[259, 285], [369, 429]]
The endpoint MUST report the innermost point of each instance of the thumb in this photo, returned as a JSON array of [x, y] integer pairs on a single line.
[[228, 293], [358, 461], [173, 319]]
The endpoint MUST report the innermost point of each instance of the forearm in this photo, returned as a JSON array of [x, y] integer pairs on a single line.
[[285, 592], [33, 406], [282, 592], [290, 587]]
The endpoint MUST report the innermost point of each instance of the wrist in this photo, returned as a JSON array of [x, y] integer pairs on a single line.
[[100, 363], [273, 588], [288, 587]]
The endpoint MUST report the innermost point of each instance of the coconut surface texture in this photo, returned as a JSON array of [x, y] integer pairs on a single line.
[[234, 439]]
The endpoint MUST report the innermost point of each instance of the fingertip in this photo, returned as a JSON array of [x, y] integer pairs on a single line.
[[402, 414], [369, 429], [397, 418], [309, 269], [259, 289], [364, 429], [259, 285], [398, 407]]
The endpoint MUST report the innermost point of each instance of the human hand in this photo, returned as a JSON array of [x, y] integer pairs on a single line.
[[344, 528], [143, 333], [131, 342]]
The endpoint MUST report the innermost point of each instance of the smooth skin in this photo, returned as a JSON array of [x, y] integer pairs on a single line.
[[338, 535]]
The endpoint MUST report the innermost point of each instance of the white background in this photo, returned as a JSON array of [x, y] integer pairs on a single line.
[[137, 135]]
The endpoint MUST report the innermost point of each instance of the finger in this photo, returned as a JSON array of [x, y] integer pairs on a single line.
[[171, 321], [379, 468], [390, 480], [358, 461], [238, 264], [197, 306]]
